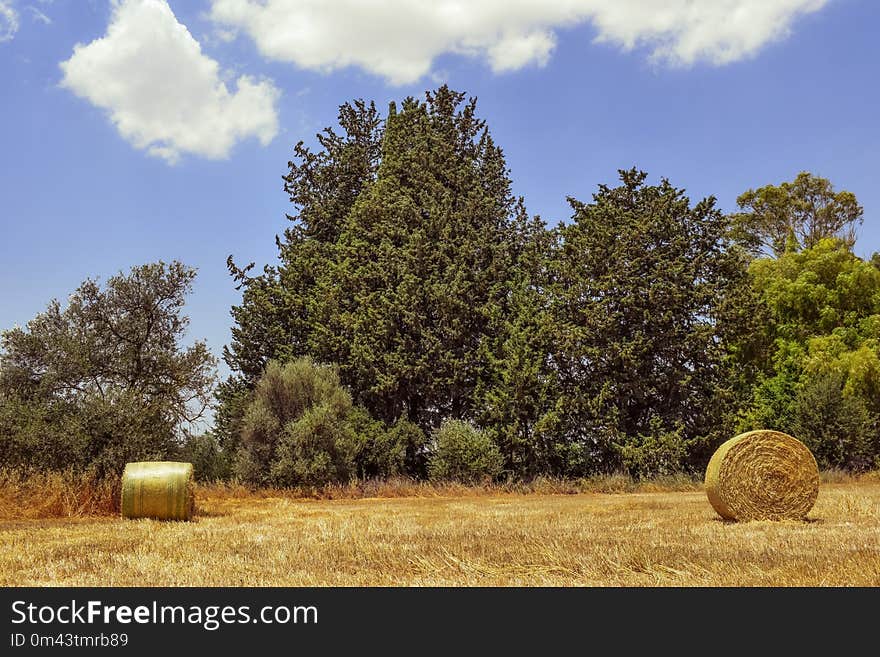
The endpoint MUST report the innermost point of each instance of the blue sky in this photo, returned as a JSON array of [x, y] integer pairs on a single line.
[[140, 130]]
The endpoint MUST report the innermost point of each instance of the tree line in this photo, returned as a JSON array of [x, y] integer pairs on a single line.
[[419, 322]]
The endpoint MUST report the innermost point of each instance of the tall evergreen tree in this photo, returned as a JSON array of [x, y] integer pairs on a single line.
[[273, 320], [419, 281], [517, 393], [639, 285]]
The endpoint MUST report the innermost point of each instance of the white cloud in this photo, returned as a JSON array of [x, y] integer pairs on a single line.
[[161, 92], [8, 21], [399, 39]]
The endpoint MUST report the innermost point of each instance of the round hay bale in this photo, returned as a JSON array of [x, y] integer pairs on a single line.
[[762, 475], [162, 490]]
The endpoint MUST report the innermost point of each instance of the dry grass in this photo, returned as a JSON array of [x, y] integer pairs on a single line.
[[56, 495], [394, 488], [643, 539], [66, 495]]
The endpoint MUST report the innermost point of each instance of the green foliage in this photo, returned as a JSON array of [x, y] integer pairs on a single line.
[[233, 397], [274, 320], [104, 380], [641, 314], [838, 427], [639, 336], [120, 428], [37, 436], [820, 290], [516, 393], [418, 278], [774, 393], [797, 215], [295, 430], [383, 452], [415, 448], [822, 380], [95, 434], [316, 449], [396, 268], [658, 453], [463, 453], [210, 462]]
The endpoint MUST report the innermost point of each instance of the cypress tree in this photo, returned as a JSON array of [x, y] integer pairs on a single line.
[[419, 281]]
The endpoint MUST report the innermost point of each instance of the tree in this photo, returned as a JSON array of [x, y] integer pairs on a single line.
[[383, 451], [419, 278], [797, 214], [640, 294], [821, 380], [837, 426], [517, 392], [274, 319], [395, 268], [111, 363], [817, 290]]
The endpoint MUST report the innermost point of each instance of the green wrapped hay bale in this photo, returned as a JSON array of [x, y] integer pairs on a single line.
[[162, 490], [762, 475]]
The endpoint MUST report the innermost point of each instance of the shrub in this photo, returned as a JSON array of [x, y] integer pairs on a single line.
[[463, 453], [414, 444], [210, 462], [38, 437], [837, 427], [385, 452], [316, 449], [658, 453], [296, 430]]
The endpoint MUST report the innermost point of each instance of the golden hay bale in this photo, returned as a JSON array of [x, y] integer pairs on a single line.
[[158, 489], [762, 475]]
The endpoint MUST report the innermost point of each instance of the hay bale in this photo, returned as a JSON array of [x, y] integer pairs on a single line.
[[158, 489], [762, 475]]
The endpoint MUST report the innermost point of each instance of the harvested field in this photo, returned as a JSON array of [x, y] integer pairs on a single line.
[[510, 539]]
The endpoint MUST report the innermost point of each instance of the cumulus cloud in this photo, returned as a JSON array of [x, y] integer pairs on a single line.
[[399, 39], [8, 21], [161, 92]]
